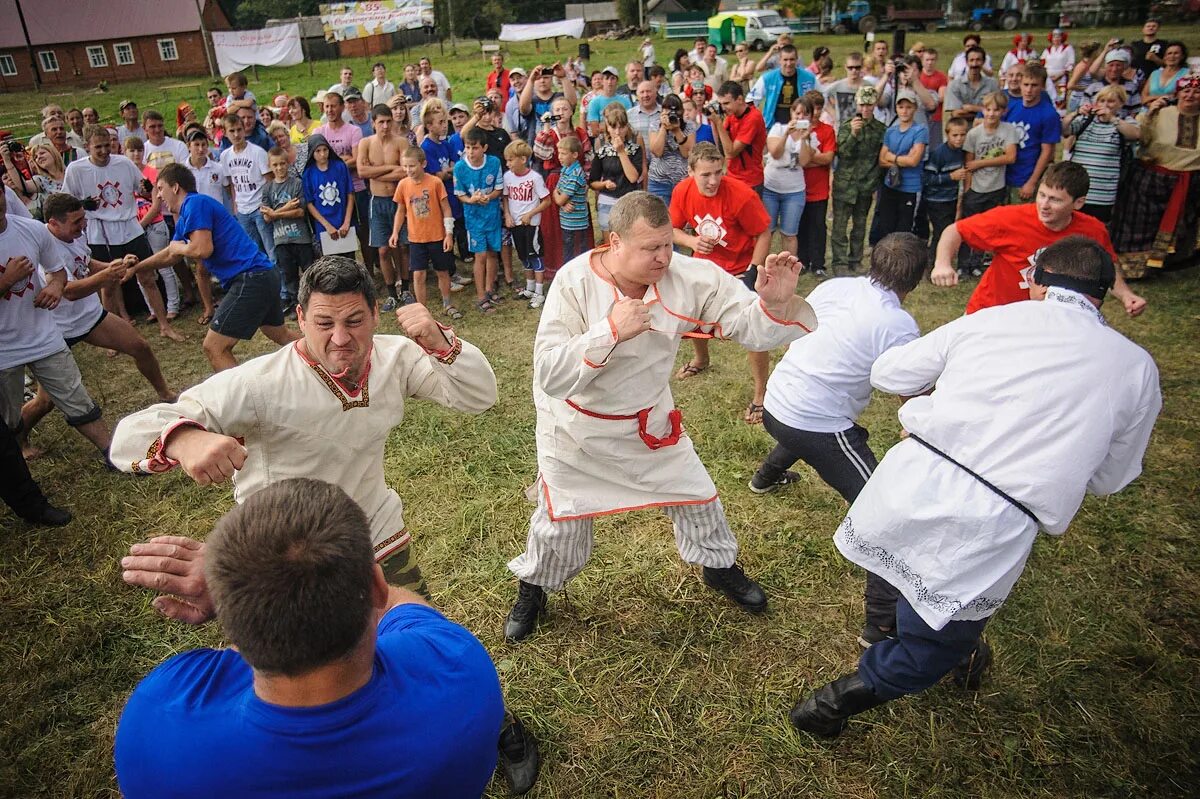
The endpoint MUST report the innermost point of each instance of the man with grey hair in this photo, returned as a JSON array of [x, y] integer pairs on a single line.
[[309, 409], [609, 438]]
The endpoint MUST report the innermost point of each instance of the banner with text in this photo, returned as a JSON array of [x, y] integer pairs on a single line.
[[269, 47], [344, 21]]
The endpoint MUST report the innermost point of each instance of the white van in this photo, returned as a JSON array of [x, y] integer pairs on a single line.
[[763, 28]]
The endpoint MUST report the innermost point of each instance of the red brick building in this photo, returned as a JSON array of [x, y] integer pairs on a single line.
[[82, 42]]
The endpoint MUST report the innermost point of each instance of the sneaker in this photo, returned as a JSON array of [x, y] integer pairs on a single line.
[[457, 286], [872, 635], [977, 272], [522, 294], [537, 300], [531, 603], [819, 273], [760, 486], [519, 757], [733, 583], [462, 280], [389, 305], [407, 298]]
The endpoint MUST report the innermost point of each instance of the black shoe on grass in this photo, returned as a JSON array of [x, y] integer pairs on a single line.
[[531, 602], [733, 583], [760, 486]]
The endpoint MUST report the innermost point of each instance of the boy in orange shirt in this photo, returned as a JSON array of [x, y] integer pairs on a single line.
[[421, 199]]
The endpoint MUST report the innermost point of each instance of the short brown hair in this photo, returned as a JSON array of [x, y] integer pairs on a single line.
[[414, 152], [92, 131], [898, 262], [571, 144], [1068, 176], [290, 571], [231, 119], [1033, 71], [178, 175], [59, 204], [998, 99], [704, 151], [638, 205]]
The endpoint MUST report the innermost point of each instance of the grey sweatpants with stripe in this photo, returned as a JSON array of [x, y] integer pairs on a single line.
[[845, 462], [557, 551]]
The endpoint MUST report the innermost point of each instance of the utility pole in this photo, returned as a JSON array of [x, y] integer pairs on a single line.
[[450, 14], [37, 75], [212, 70]]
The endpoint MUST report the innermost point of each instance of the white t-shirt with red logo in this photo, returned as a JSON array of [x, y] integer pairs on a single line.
[[114, 186], [77, 317], [735, 218], [29, 333], [523, 193]]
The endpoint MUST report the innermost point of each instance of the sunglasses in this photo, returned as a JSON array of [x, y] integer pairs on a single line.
[[854, 66]]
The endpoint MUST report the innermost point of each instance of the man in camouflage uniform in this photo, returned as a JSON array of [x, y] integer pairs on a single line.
[[855, 180]]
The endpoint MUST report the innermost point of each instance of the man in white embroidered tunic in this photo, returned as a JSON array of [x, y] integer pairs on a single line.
[[609, 438], [1036, 403], [322, 407]]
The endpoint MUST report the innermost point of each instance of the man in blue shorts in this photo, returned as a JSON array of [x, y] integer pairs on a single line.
[[205, 231], [339, 684]]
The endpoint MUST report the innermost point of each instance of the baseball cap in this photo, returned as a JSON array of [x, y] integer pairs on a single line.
[[460, 107], [866, 95], [280, 101], [1117, 55], [353, 94], [518, 71], [611, 70], [196, 135], [125, 104], [905, 94]]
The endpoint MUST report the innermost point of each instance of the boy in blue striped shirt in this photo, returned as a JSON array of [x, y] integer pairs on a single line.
[[571, 197]]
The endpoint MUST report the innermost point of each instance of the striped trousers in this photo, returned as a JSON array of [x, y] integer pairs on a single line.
[[845, 462], [557, 551]]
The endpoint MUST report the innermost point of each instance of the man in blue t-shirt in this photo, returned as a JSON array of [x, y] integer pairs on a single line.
[[1040, 127], [206, 231], [340, 684]]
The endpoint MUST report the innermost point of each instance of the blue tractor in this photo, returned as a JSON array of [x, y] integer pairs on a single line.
[[857, 16], [1005, 16]]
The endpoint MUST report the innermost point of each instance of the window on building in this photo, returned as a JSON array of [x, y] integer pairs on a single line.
[[97, 57], [167, 51], [8, 67], [48, 60], [124, 52]]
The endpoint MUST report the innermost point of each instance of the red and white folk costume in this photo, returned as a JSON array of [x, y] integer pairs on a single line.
[[609, 438], [298, 420]]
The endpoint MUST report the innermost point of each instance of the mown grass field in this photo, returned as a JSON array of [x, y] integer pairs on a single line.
[[642, 682]]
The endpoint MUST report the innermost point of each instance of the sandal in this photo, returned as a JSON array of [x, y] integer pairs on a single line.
[[754, 413], [485, 307], [691, 370], [204, 318], [452, 312]]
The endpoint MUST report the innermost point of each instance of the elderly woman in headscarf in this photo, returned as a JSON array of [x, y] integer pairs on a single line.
[[1157, 220]]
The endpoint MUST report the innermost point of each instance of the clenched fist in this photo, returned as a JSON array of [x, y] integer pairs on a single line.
[[630, 317], [206, 457], [419, 325]]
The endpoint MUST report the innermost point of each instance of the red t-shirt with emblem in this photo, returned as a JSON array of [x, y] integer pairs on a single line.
[[735, 217], [750, 129], [1014, 234]]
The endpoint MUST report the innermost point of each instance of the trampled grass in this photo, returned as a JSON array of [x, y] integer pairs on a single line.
[[642, 682]]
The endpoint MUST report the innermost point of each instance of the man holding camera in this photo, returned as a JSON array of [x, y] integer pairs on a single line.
[[743, 134], [538, 94]]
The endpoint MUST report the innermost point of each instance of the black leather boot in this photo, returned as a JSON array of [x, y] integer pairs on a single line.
[[519, 757], [531, 603], [826, 711], [969, 672]]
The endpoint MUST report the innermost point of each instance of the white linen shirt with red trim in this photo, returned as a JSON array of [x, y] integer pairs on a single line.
[[591, 464], [296, 420]]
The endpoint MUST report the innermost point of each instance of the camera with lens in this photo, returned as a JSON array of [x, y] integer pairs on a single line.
[[714, 108], [550, 119], [674, 117], [486, 104]]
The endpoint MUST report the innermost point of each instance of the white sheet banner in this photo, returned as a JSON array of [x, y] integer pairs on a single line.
[[542, 30], [343, 21], [269, 47]]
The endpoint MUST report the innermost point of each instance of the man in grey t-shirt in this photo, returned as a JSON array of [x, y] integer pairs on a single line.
[[964, 96]]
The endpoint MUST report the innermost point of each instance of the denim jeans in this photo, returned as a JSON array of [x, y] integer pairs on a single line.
[[260, 232], [661, 190], [784, 209]]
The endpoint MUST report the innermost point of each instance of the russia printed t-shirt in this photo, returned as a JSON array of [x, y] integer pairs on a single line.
[[735, 218], [523, 193], [1015, 234], [233, 250], [425, 725], [28, 332], [1037, 125], [484, 179], [422, 201], [245, 171]]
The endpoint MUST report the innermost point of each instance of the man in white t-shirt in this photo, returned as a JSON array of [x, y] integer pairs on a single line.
[[31, 337], [823, 383], [161, 149], [130, 126], [80, 316], [113, 228], [425, 67], [247, 172]]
